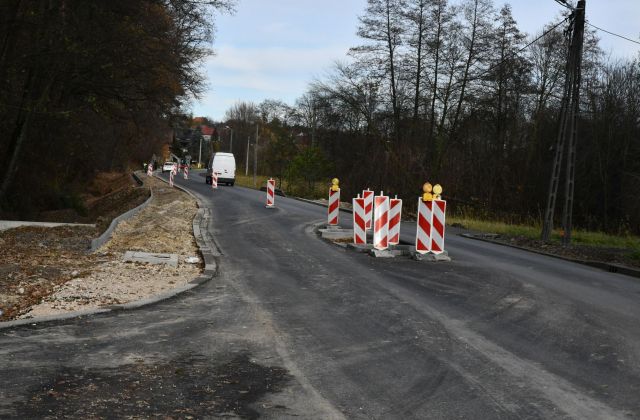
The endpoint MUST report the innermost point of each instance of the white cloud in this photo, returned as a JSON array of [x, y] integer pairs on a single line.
[[268, 84], [274, 59]]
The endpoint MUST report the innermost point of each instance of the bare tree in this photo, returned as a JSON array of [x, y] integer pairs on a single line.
[[382, 25]]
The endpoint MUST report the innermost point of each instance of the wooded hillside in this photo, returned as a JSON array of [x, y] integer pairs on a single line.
[[455, 93], [89, 86]]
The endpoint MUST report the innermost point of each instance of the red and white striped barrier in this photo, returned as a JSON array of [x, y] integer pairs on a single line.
[[359, 222], [150, 170], [214, 180], [334, 207], [368, 207], [174, 169], [395, 215], [171, 175], [186, 172], [425, 220], [437, 226], [271, 189], [381, 222]]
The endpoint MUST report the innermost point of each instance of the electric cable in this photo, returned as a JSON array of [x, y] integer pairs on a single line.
[[476, 77], [563, 3], [611, 33]]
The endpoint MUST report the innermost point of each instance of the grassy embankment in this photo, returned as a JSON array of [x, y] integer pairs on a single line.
[[579, 236], [298, 189]]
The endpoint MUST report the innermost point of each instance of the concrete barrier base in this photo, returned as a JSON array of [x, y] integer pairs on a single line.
[[383, 253], [360, 247], [336, 232], [146, 257], [431, 257]]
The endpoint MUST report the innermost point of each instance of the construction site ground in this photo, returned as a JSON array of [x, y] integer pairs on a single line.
[[48, 271]]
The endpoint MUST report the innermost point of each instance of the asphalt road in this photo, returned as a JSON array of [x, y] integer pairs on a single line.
[[294, 326]]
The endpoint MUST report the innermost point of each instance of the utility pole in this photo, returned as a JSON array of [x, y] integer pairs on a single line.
[[567, 130], [246, 165], [567, 212], [255, 158], [226, 127]]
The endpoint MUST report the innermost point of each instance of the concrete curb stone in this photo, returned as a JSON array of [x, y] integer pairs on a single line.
[[306, 200], [106, 235], [12, 224], [610, 267]]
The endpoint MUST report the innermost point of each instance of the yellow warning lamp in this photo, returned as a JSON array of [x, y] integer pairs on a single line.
[[335, 184], [437, 192], [427, 189]]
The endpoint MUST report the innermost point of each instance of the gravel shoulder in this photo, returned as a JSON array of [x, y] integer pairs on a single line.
[[50, 271]]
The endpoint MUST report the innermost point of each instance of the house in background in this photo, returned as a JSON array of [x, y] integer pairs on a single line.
[[194, 141]]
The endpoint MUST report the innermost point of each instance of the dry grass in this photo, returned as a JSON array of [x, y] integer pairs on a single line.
[[579, 236], [297, 188]]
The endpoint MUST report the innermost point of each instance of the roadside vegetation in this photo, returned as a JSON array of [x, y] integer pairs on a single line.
[[90, 87], [290, 187], [579, 236]]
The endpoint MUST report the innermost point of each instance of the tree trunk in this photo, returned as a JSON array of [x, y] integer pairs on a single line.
[[392, 71], [465, 77], [434, 91]]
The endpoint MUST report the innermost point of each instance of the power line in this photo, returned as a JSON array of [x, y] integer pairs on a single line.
[[611, 33], [564, 3], [512, 55], [521, 49]]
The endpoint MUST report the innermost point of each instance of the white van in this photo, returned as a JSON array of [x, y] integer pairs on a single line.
[[224, 164]]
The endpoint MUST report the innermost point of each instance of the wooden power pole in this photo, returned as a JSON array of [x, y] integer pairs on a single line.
[[567, 130]]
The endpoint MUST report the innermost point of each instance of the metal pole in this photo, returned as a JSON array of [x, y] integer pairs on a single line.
[[231, 142], [200, 154], [567, 131], [246, 166], [567, 222], [255, 159]]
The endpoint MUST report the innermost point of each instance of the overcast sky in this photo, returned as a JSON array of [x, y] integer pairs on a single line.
[[272, 49]]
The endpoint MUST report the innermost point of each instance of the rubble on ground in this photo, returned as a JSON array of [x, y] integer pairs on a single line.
[[47, 271]]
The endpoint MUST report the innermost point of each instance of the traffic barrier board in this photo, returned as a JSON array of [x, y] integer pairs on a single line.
[[381, 222], [395, 215], [423, 232], [368, 207], [214, 180], [334, 207], [271, 187], [437, 226], [359, 223]]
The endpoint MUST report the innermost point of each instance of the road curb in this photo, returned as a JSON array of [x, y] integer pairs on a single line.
[[13, 224], [369, 234], [611, 268], [306, 200], [106, 235], [206, 246]]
